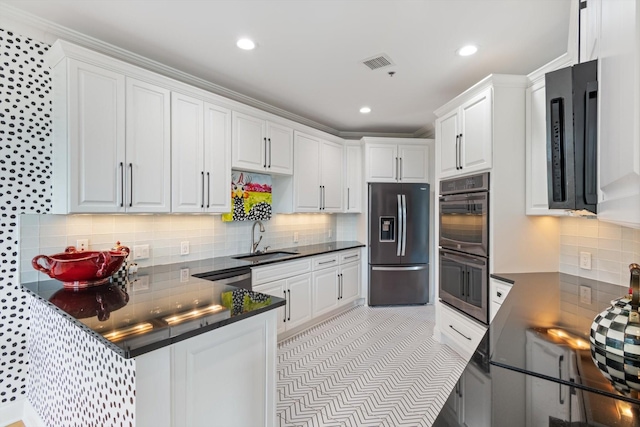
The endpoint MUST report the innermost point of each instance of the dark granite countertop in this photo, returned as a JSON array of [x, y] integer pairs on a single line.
[[154, 307], [546, 308]]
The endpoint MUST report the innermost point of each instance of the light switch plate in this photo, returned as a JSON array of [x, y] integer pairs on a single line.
[[585, 260], [184, 275], [184, 248], [585, 294], [141, 252]]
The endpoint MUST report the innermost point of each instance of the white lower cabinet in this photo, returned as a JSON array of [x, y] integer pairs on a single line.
[[469, 403], [312, 287], [225, 377], [498, 291], [457, 330]]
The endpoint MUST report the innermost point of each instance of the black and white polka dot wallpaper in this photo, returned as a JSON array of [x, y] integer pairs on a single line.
[[25, 172], [74, 380], [80, 383]]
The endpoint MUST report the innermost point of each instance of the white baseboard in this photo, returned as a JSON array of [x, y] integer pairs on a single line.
[[30, 417], [20, 410], [11, 412]]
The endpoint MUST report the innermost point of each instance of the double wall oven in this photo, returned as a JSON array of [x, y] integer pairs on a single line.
[[464, 244]]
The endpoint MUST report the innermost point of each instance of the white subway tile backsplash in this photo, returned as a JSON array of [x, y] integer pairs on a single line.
[[612, 248], [208, 236]]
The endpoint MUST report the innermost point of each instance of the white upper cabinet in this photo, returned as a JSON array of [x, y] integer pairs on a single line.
[[353, 177], [261, 146], [88, 139], [201, 166], [318, 185], [619, 127], [111, 142], [464, 136], [396, 160], [148, 147]]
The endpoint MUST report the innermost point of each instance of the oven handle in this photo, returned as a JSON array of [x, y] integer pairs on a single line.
[[412, 268], [463, 259], [481, 195]]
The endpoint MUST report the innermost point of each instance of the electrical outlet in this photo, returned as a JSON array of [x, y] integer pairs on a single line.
[[329, 233], [140, 284], [184, 275], [82, 245], [295, 237], [141, 251], [585, 260], [184, 248], [585, 294]]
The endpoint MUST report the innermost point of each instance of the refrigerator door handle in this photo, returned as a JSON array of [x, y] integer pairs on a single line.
[[411, 268], [400, 225], [404, 224]]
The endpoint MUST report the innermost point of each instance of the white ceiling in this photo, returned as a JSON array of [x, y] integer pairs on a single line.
[[309, 51]]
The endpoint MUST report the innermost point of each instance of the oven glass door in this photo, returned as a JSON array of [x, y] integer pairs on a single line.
[[464, 282], [464, 223]]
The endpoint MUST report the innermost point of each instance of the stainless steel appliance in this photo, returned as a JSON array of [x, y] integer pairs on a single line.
[[398, 244], [464, 244], [572, 119]]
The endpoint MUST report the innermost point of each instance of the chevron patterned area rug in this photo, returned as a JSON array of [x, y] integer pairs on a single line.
[[369, 366]]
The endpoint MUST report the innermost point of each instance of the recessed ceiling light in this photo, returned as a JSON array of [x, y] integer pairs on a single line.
[[467, 50], [365, 110], [246, 44]]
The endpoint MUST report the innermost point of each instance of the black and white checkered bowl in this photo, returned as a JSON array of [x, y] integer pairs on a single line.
[[615, 345]]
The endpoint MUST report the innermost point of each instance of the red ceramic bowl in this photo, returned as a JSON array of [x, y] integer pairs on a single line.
[[97, 301], [81, 269]]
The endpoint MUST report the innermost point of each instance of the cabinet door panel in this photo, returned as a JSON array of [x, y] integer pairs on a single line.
[[306, 182], [148, 147], [381, 162], [353, 176], [96, 139], [277, 289], [414, 163], [325, 290], [217, 158], [476, 398], [619, 133], [476, 132], [351, 282], [280, 149], [187, 153], [447, 129], [331, 175], [248, 147], [299, 295]]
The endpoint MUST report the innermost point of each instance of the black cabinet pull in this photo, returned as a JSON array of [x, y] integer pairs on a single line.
[[208, 189], [451, 326], [457, 161], [289, 292], [286, 303], [265, 153], [269, 153], [121, 184], [131, 185], [202, 199]]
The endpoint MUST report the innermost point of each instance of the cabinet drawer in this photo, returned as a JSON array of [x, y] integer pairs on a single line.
[[325, 261], [463, 332], [349, 256], [278, 271]]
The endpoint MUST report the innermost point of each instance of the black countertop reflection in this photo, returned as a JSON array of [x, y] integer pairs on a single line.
[[540, 326], [154, 307]]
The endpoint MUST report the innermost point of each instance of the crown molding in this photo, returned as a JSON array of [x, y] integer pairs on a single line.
[[16, 20]]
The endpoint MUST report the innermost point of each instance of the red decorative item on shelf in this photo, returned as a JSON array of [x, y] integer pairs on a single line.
[[81, 269]]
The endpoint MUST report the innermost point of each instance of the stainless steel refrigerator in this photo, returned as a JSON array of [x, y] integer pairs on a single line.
[[398, 244]]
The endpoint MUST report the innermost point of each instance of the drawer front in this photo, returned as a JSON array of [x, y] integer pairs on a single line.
[[281, 270], [499, 290], [463, 332], [349, 256], [325, 261]]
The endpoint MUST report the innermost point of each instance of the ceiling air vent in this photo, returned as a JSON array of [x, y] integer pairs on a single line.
[[378, 61]]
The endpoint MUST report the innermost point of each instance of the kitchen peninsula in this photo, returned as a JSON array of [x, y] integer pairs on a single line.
[[169, 347]]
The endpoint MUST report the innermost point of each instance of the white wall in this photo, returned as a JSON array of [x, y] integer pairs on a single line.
[[208, 236], [612, 249]]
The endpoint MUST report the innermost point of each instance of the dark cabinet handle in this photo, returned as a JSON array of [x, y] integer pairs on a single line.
[[457, 161], [202, 199], [208, 189], [265, 153], [560, 399], [289, 292], [131, 184], [460, 150], [451, 326], [462, 283], [590, 142], [269, 153], [286, 304], [121, 184], [499, 294], [400, 169]]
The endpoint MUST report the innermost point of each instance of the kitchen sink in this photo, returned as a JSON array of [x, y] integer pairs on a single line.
[[267, 256]]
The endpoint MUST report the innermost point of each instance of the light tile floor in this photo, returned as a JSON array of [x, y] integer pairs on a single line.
[[369, 366]]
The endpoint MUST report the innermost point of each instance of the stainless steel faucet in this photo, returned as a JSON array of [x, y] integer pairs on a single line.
[[254, 246]]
